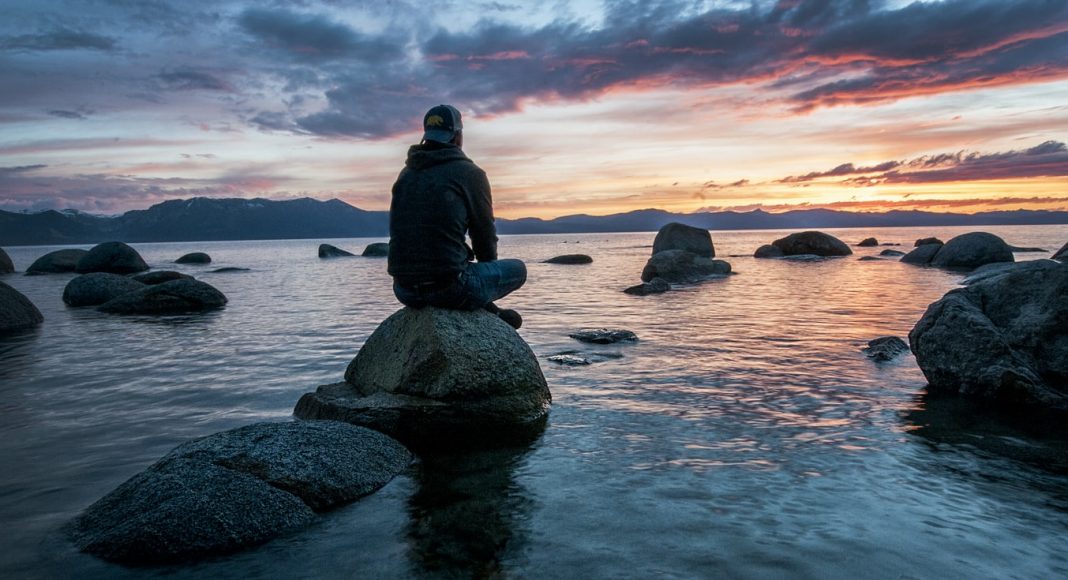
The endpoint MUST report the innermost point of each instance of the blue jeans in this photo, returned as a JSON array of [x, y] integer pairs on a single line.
[[475, 287]]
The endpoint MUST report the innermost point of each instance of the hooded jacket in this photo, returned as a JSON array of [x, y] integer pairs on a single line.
[[439, 197]]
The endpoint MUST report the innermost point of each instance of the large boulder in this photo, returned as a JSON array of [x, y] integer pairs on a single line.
[[16, 311], [6, 265], [97, 288], [811, 242], [236, 489], [682, 267], [194, 258], [768, 251], [57, 262], [439, 375], [676, 236], [376, 250], [1001, 339], [176, 296], [922, 254], [328, 251], [570, 259], [1062, 254], [113, 257], [972, 250]]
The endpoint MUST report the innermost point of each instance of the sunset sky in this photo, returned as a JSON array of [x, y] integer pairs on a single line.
[[570, 107]]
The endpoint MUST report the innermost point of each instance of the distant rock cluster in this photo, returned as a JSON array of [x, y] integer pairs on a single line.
[[682, 254], [809, 243], [966, 251]]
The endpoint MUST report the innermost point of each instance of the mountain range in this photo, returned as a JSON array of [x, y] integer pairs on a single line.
[[210, 219]]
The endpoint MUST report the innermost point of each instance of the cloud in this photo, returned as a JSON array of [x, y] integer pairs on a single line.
[[66, 114], [843, 169], [5, 171], [971, 204], [190, 80], [310, 37], [59, 39]]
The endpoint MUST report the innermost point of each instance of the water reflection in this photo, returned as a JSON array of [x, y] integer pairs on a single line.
[[946, 420], [467, 511]]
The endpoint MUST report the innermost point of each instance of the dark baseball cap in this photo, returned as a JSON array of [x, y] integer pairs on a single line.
[[441, 124]]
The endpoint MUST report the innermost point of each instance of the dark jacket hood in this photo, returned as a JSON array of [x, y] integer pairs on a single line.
[[431, 154]]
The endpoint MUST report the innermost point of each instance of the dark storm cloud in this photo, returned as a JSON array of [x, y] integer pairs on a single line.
[[315, 37], [59, 39], [189, 80], [5, 171], [820, 52], [1049, 159]]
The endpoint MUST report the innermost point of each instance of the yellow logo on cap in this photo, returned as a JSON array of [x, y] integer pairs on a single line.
[[434, 121]]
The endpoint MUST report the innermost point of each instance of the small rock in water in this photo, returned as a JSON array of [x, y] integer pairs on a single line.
[[812, 242], [925, 241], [604, 335], [870, 259], [159, 277], [229, 269], [194, 258], [1020, 250], [654, 286], [868, 242], [569, 360], [885, 348], [376, 250], [328, 251], [768, 251], [570, 259], [891, 253]]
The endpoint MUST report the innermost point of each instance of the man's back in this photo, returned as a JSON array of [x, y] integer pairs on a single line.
[[438, 197]]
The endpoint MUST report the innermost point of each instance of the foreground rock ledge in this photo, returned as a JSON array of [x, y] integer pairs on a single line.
[[436, 374], [1002, 339], [236, 489]]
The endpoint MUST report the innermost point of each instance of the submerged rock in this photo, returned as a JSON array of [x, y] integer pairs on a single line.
[[676, 236], [682, 267], [16, 311], [894, 253], [868, 242], [812, 242], [97, 288], [434, 374], [1019, 250], [113, 257], [160, 276], [885, 348], [768, 251], [570, 259], [194, 258], [654, 286], [328, 251], [569, 360], [972, 250], [926, 241], [922, 255], [376, 250], [229, 269], [174, 297], [6, 266], [1001, 339], [870, 259], [57, 262], [603, 335], [236, 489]]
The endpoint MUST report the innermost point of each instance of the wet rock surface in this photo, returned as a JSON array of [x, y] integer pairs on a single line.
[[654, 286], [604, 335], [1001, 339], [17, 312], [97, 288], [236, 489], [885, 348], [676, 236], [812, 242], [111, 257], [57, 262], [174, 297]]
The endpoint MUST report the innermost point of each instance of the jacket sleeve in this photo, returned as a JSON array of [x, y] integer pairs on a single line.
[[480, 219]]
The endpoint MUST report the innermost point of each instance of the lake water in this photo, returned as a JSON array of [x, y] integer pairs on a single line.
[[744, 436]]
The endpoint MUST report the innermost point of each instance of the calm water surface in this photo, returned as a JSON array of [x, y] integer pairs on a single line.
[[744, 436]]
